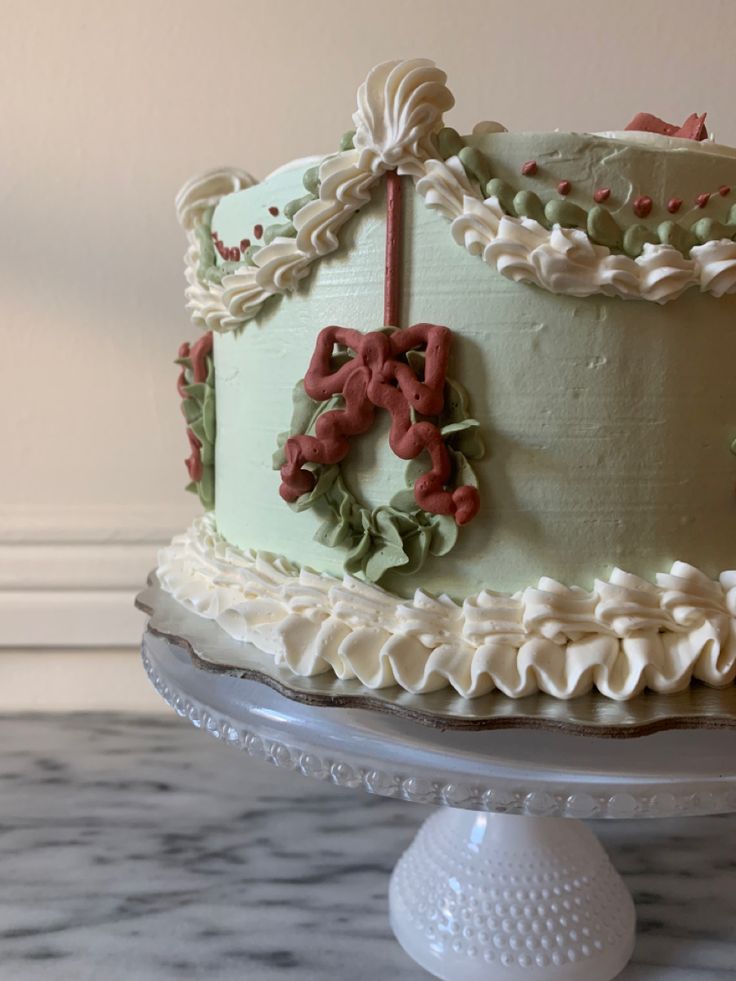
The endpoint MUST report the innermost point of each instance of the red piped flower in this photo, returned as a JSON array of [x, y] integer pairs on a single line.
[[529, 168], [377, 377], [674, 205], [564, 187], [602, 194], [702, 199]]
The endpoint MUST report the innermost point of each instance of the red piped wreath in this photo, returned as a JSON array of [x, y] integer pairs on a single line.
[[377, 377], [197, 354]]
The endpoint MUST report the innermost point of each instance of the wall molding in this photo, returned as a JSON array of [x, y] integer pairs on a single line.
[[68, 576]]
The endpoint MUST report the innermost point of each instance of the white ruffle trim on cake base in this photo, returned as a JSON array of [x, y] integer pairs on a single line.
[[626, 635]]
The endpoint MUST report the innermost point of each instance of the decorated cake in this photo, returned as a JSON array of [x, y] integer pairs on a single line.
[[462, 409]]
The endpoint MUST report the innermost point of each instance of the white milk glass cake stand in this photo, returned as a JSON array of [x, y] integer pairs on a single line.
[[504, 881]]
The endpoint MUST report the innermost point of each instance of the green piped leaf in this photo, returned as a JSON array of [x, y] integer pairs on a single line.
[[325, 480], [207, 454], [416, 550], [297, 204], [444, 534], [196, 391], [636, 237], [386, 526], [208, 418], [449, 142], [459, 427], [332, 534], [497, 188], [198, 407], [356, 556], [603, 228], [346, 140], [709, 230], [311, 180], [197, 427], [476, 164], [566, 214], [206, 487], [404, 500], [381, 561], [191, 410], [682, 239], [526, 204], [285, 230]]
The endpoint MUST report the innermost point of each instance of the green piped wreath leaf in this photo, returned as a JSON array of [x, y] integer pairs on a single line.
[[325, 480], [200, 413], [444, 534]]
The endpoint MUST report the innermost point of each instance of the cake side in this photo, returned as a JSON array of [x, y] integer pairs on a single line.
[[607, 424], [576, 428]]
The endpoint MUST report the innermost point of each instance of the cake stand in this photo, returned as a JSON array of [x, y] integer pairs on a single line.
[[504, 881]]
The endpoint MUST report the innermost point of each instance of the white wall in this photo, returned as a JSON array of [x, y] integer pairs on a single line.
[[106, 108]]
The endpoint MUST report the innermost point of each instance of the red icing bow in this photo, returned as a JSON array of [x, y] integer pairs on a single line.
[[378, 377], [197, 354], [692, 129]]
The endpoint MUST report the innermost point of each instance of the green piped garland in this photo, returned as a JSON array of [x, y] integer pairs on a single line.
[[198, 407], [209, 271], [399, 535], [599, 224]]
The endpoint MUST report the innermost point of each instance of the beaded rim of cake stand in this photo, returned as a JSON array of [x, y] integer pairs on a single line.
[[494, 797]]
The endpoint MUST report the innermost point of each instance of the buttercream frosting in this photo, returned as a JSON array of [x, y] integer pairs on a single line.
[[400, 107], [623, 636]]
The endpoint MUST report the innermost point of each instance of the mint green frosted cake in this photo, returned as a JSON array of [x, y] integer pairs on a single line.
[[463, 410]]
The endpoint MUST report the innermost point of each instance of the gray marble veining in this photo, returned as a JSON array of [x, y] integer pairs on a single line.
[[137, 848]]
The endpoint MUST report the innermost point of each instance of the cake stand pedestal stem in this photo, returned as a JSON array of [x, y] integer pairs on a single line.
[[484, 897]]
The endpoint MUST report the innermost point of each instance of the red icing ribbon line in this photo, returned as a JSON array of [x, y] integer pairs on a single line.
[[376, 377], [392, 274]]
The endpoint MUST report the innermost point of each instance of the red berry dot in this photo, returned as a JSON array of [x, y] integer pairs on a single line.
[[257, 231], [529, 168], [723, 190], [564, 187], [234, 253], [702, 199], [602, 194], [273, 210], [674, 205], [244, 244], [642, 206]]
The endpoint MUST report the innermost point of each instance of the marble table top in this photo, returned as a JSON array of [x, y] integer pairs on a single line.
[[138, 848]]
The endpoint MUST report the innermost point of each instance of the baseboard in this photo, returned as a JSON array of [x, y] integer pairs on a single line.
[[68, 577], [99, 680], [76, 618]]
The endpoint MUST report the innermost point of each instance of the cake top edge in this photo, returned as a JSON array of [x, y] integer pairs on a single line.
[[640, 213]]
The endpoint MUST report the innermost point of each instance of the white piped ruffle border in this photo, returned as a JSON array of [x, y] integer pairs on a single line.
[[400, 107], [626, 635]]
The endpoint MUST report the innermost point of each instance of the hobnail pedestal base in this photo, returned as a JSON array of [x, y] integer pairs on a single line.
[[480, 897]]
